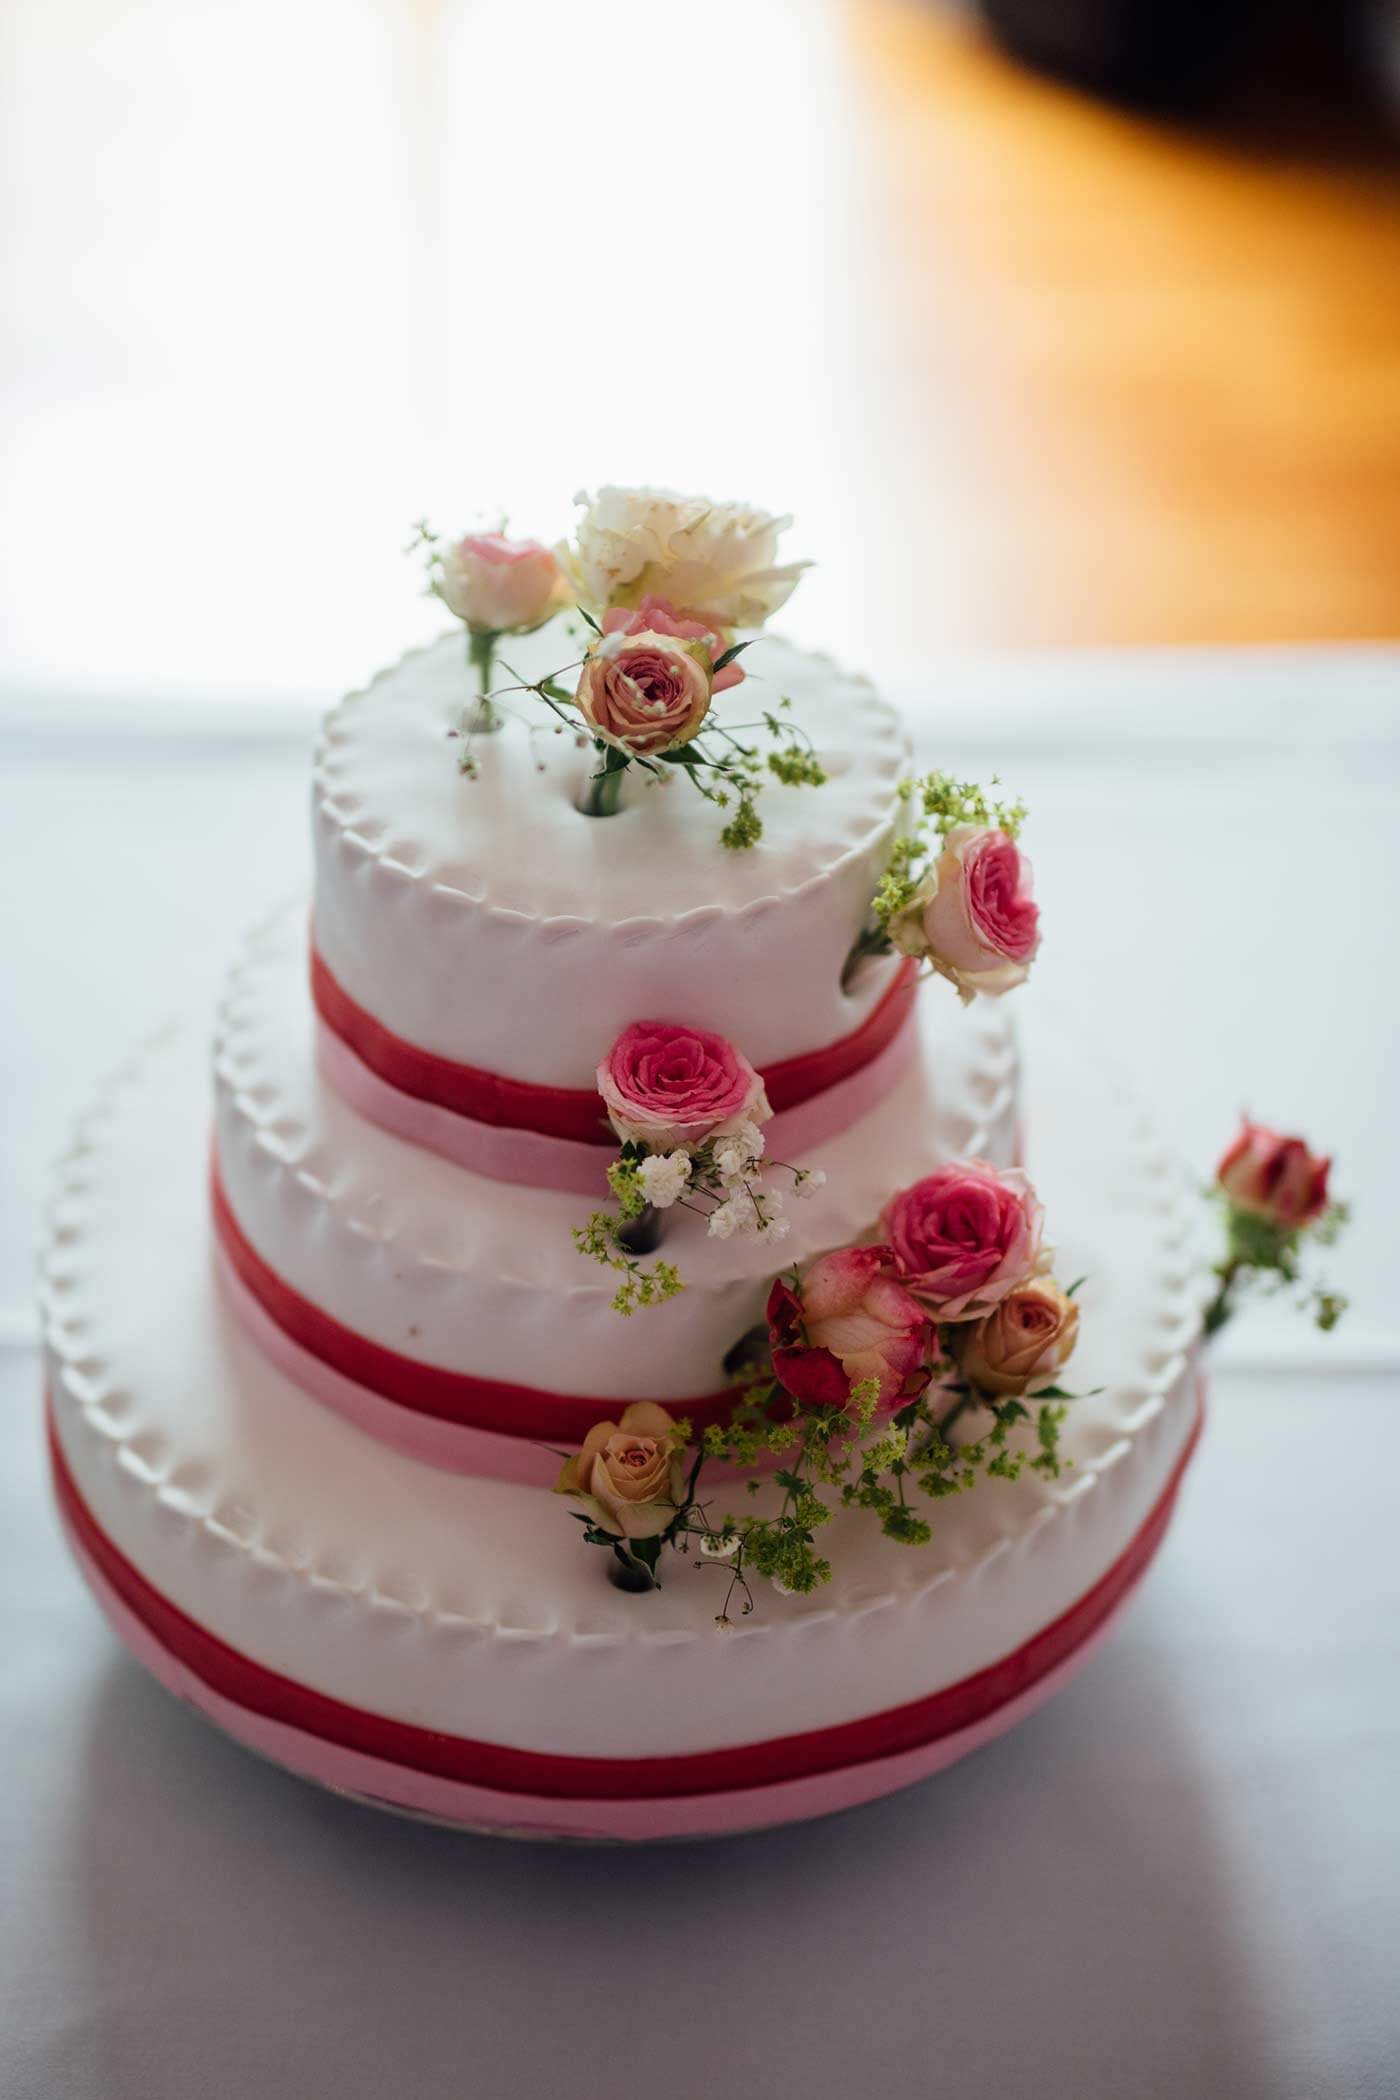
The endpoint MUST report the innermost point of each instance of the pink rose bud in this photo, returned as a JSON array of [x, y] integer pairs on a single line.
[[973, 915], [665, 1086], [848, 1321], [1274, 1177], [965, 1236], [656, 616], [501, 586], [645, 692], [1021, 1345], [630, 1474]]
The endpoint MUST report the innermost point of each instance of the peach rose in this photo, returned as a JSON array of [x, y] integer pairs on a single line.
[[1274, 1177], [658, 616], [1022, 1343], [973, 916], [501, 586], [630, 1475], [645, 693]]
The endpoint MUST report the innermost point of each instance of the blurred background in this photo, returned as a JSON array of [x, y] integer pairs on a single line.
[[1031, 364], [1069, 330]]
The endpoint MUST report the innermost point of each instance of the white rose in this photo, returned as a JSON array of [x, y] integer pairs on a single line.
[[717, 561]]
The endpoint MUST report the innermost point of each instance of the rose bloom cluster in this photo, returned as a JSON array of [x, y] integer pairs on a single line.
[[960, 1272], [670, 578], [666, 578], [973, 914]]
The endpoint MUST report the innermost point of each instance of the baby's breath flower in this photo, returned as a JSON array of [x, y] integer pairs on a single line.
[[664, 1178], [808, 1180]]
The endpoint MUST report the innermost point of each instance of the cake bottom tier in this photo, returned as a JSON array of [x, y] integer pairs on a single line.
[[446, 1645]]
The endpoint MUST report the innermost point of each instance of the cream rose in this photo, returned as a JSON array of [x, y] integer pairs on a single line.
[[645, 693], [630, 1475], [498, 585], [718, 560], [1022, 1343]]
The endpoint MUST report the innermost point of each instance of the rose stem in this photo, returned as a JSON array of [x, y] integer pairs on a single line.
[[602, 793], [642, 1234], [481, 654], [629, 1573]]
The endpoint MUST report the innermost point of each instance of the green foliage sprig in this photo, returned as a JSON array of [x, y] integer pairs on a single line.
[[832, 1458], [1267, 1260]]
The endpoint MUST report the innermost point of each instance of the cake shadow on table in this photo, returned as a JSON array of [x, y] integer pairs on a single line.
[[1054, 1911]]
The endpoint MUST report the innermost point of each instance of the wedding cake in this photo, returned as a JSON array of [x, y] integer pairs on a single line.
[[638, 1358]]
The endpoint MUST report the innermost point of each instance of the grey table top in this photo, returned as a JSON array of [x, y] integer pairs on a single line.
[[1179, 1878]]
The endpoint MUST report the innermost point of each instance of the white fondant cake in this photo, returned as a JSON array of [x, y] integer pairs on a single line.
[[305, 1432]]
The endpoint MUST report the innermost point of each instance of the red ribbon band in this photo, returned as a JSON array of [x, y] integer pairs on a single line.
[[898, 1729], [577, 1112], [450, 1396]]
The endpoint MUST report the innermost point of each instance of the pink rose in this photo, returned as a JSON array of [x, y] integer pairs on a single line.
[[501, 586], [1274, 1177], [630, 1474], [655, 616], [965, 1236], [973, 914], [848, 1321], [645, 692], [665, 1086]]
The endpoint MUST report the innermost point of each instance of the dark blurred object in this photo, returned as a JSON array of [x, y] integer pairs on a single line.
[[1191, 55], [1159, 52]]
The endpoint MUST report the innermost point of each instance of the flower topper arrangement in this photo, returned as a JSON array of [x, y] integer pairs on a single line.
[[662, 584], [689, 1110], [851, 1393], [890, 1376]]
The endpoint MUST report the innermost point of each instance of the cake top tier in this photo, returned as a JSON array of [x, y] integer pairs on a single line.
[[483, 917]]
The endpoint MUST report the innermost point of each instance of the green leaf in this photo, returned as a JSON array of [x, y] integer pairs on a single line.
[[734, 649], [584, 614]]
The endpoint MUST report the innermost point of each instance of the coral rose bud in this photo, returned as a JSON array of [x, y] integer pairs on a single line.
[[630, 1475], [973, 915], [964, 1236], [1022, 1343], [849, 1320], [1274, 1177], [666, 1086], [645, 693], [501, 586]]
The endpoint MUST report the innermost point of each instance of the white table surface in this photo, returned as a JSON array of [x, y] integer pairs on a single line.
[[1179, 1879]]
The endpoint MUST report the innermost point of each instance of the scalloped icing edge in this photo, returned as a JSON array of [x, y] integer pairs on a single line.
[[375, 860]]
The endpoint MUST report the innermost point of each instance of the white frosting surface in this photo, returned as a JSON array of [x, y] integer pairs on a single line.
[[489, 921], [472, 1607], [473, 1275]]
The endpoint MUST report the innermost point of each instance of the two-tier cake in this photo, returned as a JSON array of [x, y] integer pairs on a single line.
[[609, 1375]]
